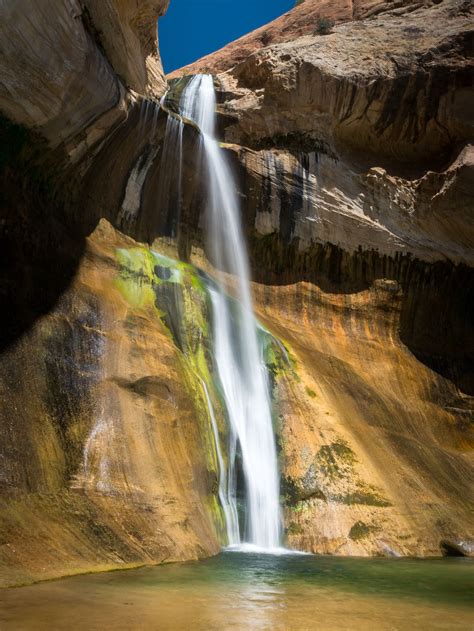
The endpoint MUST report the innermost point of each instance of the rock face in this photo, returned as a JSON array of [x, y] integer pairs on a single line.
[[386, 91], [376, 447], [354, 157], [75, 64], [127, 32], [105, 457]]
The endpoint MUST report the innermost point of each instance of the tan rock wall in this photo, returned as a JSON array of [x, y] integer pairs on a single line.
[[391, 91], [53, 76], [376, 448], [66, 67], [104, 454]]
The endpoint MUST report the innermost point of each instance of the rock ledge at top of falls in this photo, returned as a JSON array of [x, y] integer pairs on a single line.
[[393, 90], [295, 23]]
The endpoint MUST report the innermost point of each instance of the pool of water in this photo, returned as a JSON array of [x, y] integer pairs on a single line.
[[254, 591]]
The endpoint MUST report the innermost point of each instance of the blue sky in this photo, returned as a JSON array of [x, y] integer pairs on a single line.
[[193, 28]]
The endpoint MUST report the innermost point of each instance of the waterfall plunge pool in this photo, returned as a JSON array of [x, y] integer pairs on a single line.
[[254, 591]]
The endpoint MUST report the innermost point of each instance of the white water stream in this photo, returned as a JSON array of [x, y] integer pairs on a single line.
[[239, 361], [171, 174], [226, 494]]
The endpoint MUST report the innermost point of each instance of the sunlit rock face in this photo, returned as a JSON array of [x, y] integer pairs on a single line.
[[127, 31], [390, 91], [376, 448]]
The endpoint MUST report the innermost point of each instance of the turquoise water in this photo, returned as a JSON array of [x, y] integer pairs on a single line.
[[254, 591]]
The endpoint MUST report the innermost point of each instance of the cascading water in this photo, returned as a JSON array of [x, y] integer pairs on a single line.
[[227, 499], [171, 175], [239, 362]]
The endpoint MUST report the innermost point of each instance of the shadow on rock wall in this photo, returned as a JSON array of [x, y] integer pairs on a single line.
[[40, 246]]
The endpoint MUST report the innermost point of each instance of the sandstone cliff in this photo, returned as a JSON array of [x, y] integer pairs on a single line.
[[354, 157], [66, 65], [105, 455], [106, 459]]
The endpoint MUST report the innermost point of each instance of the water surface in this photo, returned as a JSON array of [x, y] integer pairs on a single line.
[[254, 591]]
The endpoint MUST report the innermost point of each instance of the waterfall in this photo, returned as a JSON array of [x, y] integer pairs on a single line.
[[226, 496], [239, 361], [171, 175]]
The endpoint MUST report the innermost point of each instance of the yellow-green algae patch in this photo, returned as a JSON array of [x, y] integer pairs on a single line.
[[136, 276], [360, 530]]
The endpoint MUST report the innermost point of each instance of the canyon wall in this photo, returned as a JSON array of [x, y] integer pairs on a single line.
[[105, 458], [353, 152]]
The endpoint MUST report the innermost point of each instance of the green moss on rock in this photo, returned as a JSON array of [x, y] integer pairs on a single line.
[[179, 294], [360, 530], [365, 494], [295, 529], [336, 460]]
